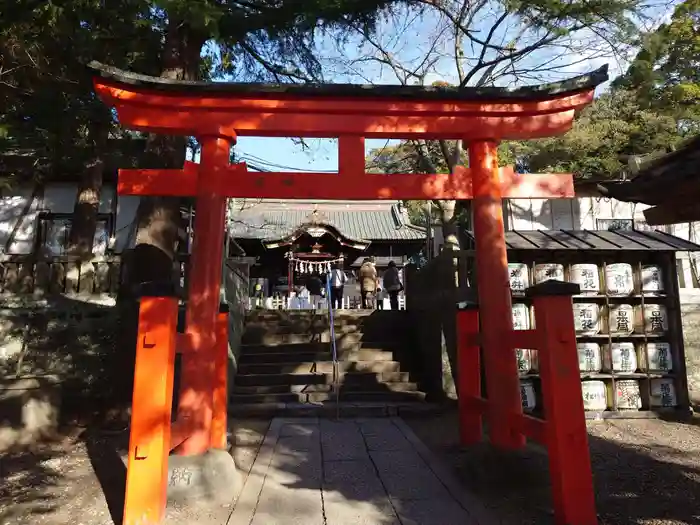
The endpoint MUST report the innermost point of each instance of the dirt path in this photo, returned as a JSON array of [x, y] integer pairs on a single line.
[[80, 479], [646, 471]]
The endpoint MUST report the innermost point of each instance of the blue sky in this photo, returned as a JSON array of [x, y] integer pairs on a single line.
[[409, 39]]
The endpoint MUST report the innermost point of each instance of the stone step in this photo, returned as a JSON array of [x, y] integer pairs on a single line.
[[326, 387], [301, 357], [319, 397], [289, 379], [271, 338], [331, 409], [295, 348], [323, 367]]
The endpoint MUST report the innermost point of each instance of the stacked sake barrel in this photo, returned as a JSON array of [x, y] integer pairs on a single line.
[[626, 357]]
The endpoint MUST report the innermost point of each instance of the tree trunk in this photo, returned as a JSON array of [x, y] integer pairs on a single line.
[[87, 202], [158, 219]]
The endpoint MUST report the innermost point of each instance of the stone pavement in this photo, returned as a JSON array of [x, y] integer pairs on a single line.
[[351, 472]]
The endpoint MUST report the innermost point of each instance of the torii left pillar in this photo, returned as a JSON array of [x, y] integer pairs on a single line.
[[198, 372]]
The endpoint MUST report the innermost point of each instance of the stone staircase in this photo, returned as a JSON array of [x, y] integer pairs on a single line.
[[285, 365]]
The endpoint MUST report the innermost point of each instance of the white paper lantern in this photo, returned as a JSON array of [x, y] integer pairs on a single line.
[[549, 271], [628, 394], [519, 277], [619, 279], [659, 357], [586, 276], [663, 393], [621, 319], [587, 318], [589, 358], [652, 279], [624, 357], [595, 395]]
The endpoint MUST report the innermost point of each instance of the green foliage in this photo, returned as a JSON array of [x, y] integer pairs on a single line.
[[665, 74], [51, 115], [604, 135]]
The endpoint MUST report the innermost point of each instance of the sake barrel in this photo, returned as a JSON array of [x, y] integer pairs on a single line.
[[523, 356], [595, 395], [655, 318], [519, 277], [548, 271], [628, 395], [521, 316], [659, 357], [621, 319], [586, 276], [527, 395], [663, 393], [624, 357], [652, 279], [587, 318], [619, 279], [589, 359]]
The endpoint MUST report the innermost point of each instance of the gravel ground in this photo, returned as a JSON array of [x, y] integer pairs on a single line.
[[79, 480], [646, 471]]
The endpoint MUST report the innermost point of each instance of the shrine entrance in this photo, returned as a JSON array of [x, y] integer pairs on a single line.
[[216, 114]]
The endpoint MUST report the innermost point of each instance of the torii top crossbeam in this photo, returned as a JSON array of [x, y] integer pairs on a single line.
[[350, 113], [178, 107]]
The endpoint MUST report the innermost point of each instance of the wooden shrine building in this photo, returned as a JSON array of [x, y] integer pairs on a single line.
[[289, 239], [669, 184]]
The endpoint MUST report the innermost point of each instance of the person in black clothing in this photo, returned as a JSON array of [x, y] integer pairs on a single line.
[[392, 284], [315, 287]]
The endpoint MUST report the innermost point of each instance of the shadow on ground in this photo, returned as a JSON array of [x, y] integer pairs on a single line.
[[645, 471]]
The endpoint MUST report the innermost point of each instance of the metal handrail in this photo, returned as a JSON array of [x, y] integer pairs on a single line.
[[334, 350]]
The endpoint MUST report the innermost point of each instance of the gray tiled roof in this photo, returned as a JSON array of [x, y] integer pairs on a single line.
[[359, 220], [633, 240]]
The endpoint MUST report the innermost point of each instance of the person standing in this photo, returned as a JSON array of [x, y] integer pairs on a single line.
[[338, 280], [368, 284], [315, 287], [393, 284]]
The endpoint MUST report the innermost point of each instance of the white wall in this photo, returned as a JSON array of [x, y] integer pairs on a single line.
[[55, 198]]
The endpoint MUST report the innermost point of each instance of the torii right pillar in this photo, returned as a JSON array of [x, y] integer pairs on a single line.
[[502, 380]]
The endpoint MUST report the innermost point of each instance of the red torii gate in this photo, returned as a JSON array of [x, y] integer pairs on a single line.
[[216, 113]]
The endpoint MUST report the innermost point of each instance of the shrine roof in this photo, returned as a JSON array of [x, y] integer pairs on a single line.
[[276, 219], [576, 84], [662, 178], [599, 240]]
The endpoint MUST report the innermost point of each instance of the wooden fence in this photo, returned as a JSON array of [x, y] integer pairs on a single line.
[[27, 275], [32, 274]]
